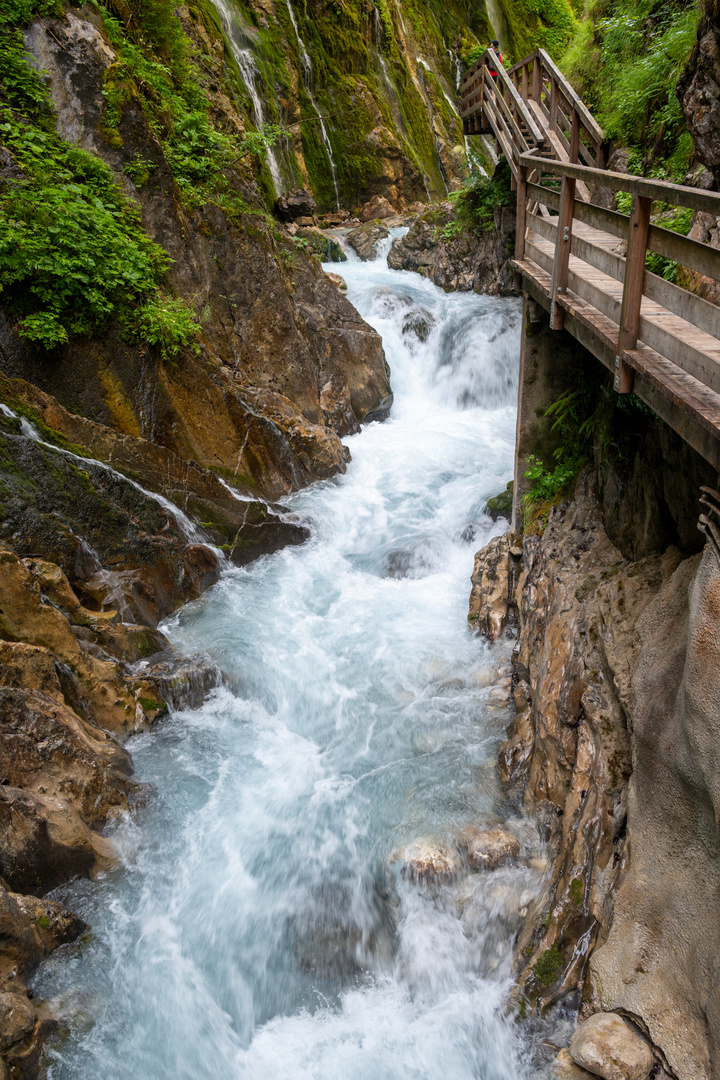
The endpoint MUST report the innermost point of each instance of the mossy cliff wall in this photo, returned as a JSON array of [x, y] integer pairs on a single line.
[[383, 75]]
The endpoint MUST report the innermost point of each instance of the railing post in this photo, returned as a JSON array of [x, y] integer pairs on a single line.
[[561, 265], [520, 212], [575, 138], [638, 228], [524, 88], [553, 103], [537, 79]]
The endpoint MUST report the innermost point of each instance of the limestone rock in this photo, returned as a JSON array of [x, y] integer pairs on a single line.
[[296, 204], [17, 1019], [377, 208], [608, 1047], [489, 848], [365, 239], [564, 1068], [426, 861], [699, 92], [491, 596], [337, 280]]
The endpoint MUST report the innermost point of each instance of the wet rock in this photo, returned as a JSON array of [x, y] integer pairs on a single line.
[[377, 208], [296, 203], [493, 578], [418, 324], [365, 239], [489, 848], [470, 260], [564, 1068], [500, 506], [30, 929], [426, 861], [338, 281], [17, 1019], [183, 682], [325, 247], [608, 1047], [377, 416]]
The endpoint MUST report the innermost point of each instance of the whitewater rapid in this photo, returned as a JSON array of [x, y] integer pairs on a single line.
[[257, 927]]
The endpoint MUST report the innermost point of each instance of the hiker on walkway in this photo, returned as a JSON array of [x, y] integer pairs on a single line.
[[496, 46]]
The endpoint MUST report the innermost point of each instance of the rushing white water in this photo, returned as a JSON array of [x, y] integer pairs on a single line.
[[258, 928], [306, 64], [248, 70]]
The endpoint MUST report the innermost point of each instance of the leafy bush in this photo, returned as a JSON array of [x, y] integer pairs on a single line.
[[475, 203], [165, 322], [73, 251], [625, 59]]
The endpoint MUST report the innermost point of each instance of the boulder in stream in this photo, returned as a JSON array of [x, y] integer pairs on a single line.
[[607, 1046], [426, 861], [489, 848], [365, 239]]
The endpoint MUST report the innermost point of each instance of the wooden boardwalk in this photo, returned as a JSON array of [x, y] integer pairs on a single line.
[[584, 263]]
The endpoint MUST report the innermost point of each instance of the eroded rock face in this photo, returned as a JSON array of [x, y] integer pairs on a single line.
[[606, 1046], [479, 261], [614, 749], [493, 580], [699, 92]]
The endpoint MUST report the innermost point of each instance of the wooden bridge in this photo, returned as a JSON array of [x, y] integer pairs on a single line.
[[586, 263]]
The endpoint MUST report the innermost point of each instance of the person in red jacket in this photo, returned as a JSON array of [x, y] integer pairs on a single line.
[[496, 46]]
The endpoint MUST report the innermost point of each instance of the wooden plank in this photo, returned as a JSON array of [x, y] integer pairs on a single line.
[[561, 262], [537, 135], [546, 196], [606, 220], [575, 136], [675, 194], [503, 136], [691, 253], [506, 113]]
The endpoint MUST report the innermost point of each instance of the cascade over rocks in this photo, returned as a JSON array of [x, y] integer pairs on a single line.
[[365, 239], [472, 260]]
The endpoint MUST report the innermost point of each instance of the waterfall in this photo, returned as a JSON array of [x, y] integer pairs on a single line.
[[306, 63], [248, 70]]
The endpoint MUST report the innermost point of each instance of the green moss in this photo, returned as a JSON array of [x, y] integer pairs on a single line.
[[546, 967], [576, 890]]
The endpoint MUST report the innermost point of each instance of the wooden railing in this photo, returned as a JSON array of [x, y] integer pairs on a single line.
[[568, 119], [493, 105], [691, 340]]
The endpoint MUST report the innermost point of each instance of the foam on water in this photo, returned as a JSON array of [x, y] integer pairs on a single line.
[[258, 927]]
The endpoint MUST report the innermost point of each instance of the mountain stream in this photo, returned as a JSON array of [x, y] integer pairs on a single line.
[[259, 925]]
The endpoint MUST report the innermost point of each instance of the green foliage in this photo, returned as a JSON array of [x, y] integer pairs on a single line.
[[165, 322], [478, 198], [546, 967], [73, 251], [532, 24], [625, 59]]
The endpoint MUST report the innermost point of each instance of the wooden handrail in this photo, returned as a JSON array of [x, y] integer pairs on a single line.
[[662, 190], [491, 59]]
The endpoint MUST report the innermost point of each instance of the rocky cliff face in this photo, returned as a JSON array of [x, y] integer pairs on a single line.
[[612, 749]]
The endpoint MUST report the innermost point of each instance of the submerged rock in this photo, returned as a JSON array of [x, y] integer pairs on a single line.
[[607, 1046], [489, 848], [426, 861]]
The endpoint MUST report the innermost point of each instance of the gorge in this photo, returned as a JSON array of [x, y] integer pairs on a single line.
[[273, 803]]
